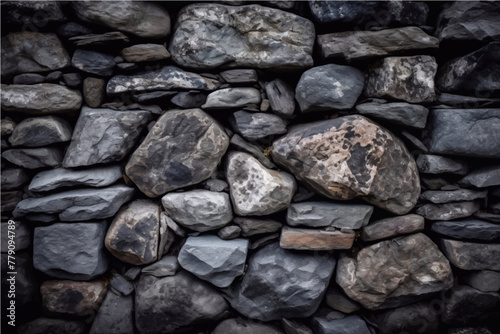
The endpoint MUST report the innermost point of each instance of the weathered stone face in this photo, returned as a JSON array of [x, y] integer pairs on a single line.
[[316, 240], [387, 275], [351, 157], [183, 148], [41, 131], [472, 255]]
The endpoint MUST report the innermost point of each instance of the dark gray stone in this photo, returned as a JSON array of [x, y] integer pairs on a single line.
[[336, 299], [274, 287], [55, 76], [242, 77], [28, 79], [491, 217], [214, 260], [458, 195], [294, 327], [250, 226], [466, 102], [145, 52], [256, 126], [93, 62], [72, 79], [229, 98], [216, 185], [352, 324], [415, 318], [329, 87], [411, 115], [253, 149], [20, 235], [13, 178], [244, 326], [391, 227], [482, 177], [449, 211], [166, 266], [94, 90], [283, 40], [54, 326], [468, 229], [41, 131], [281, 97], [229, 232], [189, 100], [484, 280], [417, 143], [121, 285], [436, 164], [152, 97], [72, 29], [176, 303], [115, 315], [70, 251], [33, 158], [27, 13], [469, 330], [471, 255], [10, 199]]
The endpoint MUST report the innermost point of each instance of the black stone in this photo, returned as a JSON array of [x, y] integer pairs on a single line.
[[72, 29], [28, 79], [189, 99], [93, 62], [468, 229]]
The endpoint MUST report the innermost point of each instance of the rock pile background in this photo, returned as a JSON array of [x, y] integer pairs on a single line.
[[241, 167]]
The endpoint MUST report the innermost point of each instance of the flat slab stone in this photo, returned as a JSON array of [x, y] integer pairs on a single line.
[[70, 251], [471, 255], [195, 44], [449, 211], [33, 158], [402, 113], [77, 205], [183, 148], [391, 227], [468, 229], [484, 280], [317, 240], [41, 131], [240, 76], [108, 39], [40, 99], [482, 177], [322, 214], [93, 62], [382, 275], [355, 45], [256, 126], [145, 52], [251, 226], [436, 164], [458, 195], [229, 98]]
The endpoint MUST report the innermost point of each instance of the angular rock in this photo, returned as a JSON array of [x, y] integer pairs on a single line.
[[391, 227], [143, 19], [104, 135], [134, 233], [449, 211], [484, 280], [244, 326], [472, 256], [189, 100], [465, 305], [355, 45], [41, 131], [436, 164], [255, 126], [33, 158], [199, 210], [322, 214], [411, 115], [250, 226], [76, 205], [176, 303], [166, 78], [352, 324], [72, 80], [338, 301], [56, 326], [461, 101], [329, 87], [115, 315], [28, 79], [458, 195], [256, 190], [414, 318], [94, 91], [120, 285], [214, 260], [253, 149], [10, 199], [13, 178], [108, 39], [70, 251], [473, 74], [28, 51], [242, 77], [145, 52], [70, 298], [467, 21], [166, 266], [281, 97], [282, 41], [274, 287], [417, 143], [93, 62], [383, 275], [294, 327], [317, 240], [229, 98], [351, 157], [40, 99], [229, 232], [410, 79], [482, 177]]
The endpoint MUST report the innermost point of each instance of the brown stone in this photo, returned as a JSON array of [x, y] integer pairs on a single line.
[[93, 91], [305, 239], [391, 227], [145, 52]]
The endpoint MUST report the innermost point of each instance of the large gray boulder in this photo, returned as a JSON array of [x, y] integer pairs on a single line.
[[41, 131], [281, 283], [176, 303], [390, 278], [472, 255], [70, 251], [283, 40], [213, 259], [115, 315], [350, 157], [183, 148]]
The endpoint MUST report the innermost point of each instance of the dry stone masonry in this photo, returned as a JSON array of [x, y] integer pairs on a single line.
[[251, 167]]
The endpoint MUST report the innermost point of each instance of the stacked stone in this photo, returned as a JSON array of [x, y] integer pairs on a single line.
[[210, 175]]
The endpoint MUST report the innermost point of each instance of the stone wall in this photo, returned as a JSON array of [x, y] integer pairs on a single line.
[[241, 167]]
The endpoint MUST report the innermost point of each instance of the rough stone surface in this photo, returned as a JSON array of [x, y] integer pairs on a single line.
[[385, 274], [241, 77], [22, 236], [134, 233], [351, 157], [449, 211], [183, 148], [32, 158], [76, 205], [256, 190], [229, 232], [29, 51], [55, 326], [62, 177], [274, 287], [213, 259], [21, 12], [436, 164], [281, 97], [468, 229], [256, 126], [250, 226], [471, 255], [115, 315], [391, 227], [144, 19], [321, 214], [414, 318], [40, 99], [166, 266], [93, 62], [189, 100], [13, 178], [145, 52], [104, 135], [317, 240], [28, 79], [253, 149], [355, 45], [175, 303], [70, 298], [402, 113], [94, 91], [337, 300], [410, 79], [484, 280], [329, 87], [229, 98], [195, 44], [244, 326], [482, 177], [70, 251], [458, 195], [41, 131], [199, 210], [120, 285]]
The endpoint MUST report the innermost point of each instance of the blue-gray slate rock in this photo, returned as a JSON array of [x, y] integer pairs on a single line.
[[352, 324], [28, 79], [32, 158], [414, 318], [436, 164], [281, 97], [458, 195], [487, 176], [120, 285], [214, 260], [93, 62], [41, 131], [115, 315], [250, 226], [472, 255], [166, 266], [76, 205], [13, 178], [71, 251], [464, 132], [256, 126], [449, 211], [402, 113], [282, 283], [468, 229], [329, 87], [230, 98], [240, 76]]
